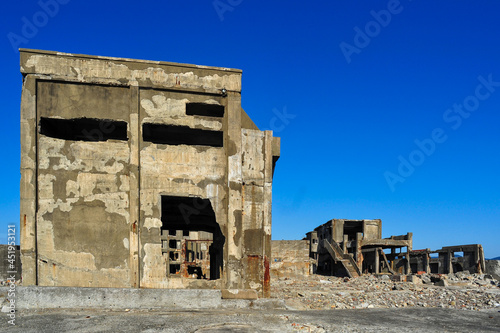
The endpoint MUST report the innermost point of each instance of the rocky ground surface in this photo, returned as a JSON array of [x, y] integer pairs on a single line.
[[455, 291], [415, 319], [429, 303]]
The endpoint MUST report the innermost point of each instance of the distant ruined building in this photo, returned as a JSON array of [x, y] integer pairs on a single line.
[[354, 247], [350, 248], [142, 174]]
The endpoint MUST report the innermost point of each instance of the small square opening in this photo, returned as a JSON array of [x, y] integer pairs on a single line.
[[175, 268]]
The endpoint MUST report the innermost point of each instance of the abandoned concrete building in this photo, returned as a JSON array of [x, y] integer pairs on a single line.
[[449, 259], [142, 174], [353, 247]]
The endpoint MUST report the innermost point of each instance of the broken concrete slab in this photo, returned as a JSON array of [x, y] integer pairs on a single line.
[[34, 297], [239, 294]]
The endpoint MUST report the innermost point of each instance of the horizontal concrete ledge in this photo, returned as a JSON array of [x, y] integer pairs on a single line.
[[152, 62], [33, 297]]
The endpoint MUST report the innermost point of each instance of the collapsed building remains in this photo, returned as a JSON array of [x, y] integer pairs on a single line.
[[353, 247], [449, 259], [141, 174]]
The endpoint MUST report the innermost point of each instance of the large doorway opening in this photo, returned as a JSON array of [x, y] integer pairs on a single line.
[[192, 241]]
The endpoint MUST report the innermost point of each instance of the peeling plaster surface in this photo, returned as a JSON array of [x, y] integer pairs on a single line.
[[97, 204], [162, 110], [83, 213], [179, 171], [87, 69], [152, 223]]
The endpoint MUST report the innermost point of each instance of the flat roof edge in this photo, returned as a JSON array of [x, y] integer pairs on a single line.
[[64, 54]]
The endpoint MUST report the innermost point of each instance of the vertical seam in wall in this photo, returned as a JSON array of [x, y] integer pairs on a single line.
[[139, 217], [264, 217], [36, 181], [225, 254]]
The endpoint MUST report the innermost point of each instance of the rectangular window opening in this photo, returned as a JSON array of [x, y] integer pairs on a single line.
[[83, 129], [181, 135], [204, 109], [175, 268], [174, 256]]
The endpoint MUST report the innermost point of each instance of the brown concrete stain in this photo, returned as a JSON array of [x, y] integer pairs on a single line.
[[266, 288]]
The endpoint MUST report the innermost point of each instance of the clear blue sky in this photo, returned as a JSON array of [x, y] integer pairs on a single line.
[[354, 87]]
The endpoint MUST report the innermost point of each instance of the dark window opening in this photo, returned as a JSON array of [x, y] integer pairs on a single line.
[[84, 129], [174, 256], [194, 270], [351, 228], [172, 232], [203, 109], [199, 250], [175, 268], [181, 135]]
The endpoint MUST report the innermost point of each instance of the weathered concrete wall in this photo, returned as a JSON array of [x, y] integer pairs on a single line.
[[178, 170], [290, 258], [493, 268], [91, 202], [83, 192], [6, 262]]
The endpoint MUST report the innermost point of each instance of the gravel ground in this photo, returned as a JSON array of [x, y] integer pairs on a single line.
[[431, 303], [454, 291], [240, 321]]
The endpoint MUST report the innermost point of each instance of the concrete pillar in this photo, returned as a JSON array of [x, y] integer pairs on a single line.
[[134, 135], [359, 255], [233, 253], [477, 263], [29, 140], [393, 253], [344, 243], [407, 257], [267, 218], [449, 262], [427, 267], [377, 260]]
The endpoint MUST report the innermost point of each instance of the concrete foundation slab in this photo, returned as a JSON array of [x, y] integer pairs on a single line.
[[33, 297]]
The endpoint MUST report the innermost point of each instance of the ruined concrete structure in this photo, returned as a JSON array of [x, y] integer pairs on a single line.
[[141, 174], [354, 247], [450, 259], [351, 247]]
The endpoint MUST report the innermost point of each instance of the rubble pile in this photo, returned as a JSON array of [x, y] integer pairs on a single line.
[[457, 290]]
